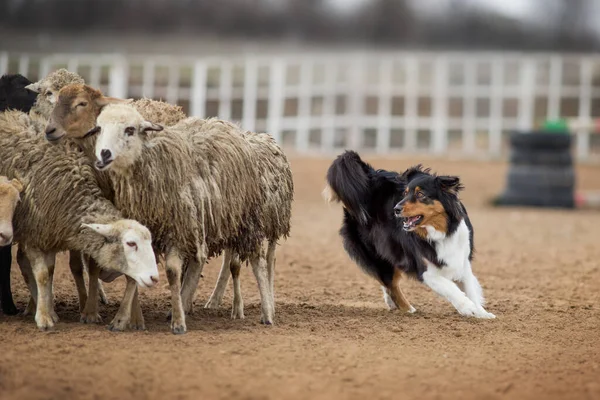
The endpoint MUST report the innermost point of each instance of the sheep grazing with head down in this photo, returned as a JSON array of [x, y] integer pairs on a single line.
[[62, 208], [18, 93]]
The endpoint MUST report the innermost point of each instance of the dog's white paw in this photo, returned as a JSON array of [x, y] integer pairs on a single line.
[[412, 310], [484, 314]]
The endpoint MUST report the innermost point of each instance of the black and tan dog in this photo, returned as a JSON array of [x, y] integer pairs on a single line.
[[407, 224]]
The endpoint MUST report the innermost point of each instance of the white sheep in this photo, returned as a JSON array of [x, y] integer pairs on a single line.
[[62, 208]]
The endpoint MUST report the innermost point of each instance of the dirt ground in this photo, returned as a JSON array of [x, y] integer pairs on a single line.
[[334, 337]]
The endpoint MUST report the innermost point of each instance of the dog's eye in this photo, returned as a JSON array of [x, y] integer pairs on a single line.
[[420, 195], [129, 131]]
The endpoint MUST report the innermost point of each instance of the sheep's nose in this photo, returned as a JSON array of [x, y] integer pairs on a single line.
[[50, 129], [6, 237], [105, 154], [154, 278]]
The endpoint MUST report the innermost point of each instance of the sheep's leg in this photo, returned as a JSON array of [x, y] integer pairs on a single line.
[[217, 295], [237, 311], [190, 281], [41, 273], [90, 313], [102, 293], [123, 316], [27, 272], [50, 262], [173, 267], [76, 266], [85, 261], [259, 267], [271, 270], [137, 316]]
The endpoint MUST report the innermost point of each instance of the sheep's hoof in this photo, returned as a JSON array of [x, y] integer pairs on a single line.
[[178, 329], [91, 318], [54, 316], [212, 304], [138, 327], [44, 323], [237, 314], [117, 325], [30, 309], [266, 321]]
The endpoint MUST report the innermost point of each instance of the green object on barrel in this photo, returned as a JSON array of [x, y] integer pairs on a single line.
[[556, 126]]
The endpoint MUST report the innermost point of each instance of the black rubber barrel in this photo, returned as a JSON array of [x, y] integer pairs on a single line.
[[541, 172]]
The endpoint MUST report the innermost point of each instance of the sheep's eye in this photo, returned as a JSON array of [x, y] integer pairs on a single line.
[[82, 104], [129, 131], [48, 93], [132, 245]]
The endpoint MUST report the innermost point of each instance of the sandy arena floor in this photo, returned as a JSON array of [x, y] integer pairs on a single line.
[[333, 337]]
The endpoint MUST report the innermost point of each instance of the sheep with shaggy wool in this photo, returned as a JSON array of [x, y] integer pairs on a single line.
[[199, 195], [16, 94], [62, 208]]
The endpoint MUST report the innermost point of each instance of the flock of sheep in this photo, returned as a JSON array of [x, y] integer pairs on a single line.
[[121, 184]]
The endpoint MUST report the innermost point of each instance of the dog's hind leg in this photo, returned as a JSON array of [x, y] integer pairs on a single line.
[[394, 296]]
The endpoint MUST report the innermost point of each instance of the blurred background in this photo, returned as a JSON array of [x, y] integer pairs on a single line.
[[445, 77]]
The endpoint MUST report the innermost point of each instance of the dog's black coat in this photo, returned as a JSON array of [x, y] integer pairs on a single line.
[[13, 96], [372, 234]]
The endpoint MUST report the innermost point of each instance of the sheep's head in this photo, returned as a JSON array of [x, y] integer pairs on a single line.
[[14, 93], [49, 87], [127, 249], [75, 112], [122, 136], [9, 197]]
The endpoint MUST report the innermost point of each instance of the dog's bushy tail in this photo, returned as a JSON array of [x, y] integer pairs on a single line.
[[348, 183]]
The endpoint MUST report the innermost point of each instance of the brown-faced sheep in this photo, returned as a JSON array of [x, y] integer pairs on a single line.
[[75, 117], [62, 208]]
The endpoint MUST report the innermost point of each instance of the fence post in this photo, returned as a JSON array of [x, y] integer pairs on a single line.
[[117, 86], [225, 88], [495, 134], [356, 102], [585, 109], [329, 98], [527, 95], [410, 105], [440, 107], [469, 113], [173, 83], [148, 79], [276, 90], [73, 65], [198, 97], [3, 63], [554, 88], [384, 123], [24, 65], [304, 105], [250, 94]]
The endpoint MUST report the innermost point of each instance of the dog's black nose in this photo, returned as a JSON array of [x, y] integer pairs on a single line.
[[398, 210], [105, 154]]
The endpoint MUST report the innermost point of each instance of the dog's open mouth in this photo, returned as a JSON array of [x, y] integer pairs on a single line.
[[411, 223]]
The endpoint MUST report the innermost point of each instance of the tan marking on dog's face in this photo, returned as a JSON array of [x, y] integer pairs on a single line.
[[433, 214]]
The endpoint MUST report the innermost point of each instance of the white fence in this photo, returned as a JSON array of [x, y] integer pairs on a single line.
[[463, 104]]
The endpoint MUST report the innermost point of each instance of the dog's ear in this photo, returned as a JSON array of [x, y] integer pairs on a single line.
[[450, 184], [413, 172]]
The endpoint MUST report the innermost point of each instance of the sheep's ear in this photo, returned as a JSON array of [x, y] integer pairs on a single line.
[[105, 230], [17, 185], [450, 184], [104, 101], [34, 87], [148, 126]]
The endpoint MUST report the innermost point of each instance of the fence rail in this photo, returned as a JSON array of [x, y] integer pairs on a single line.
[[463, 104]]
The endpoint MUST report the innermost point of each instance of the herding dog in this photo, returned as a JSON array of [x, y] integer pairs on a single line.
[[411, 223]]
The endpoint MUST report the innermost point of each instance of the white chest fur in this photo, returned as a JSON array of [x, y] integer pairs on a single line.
[[453, 249]]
